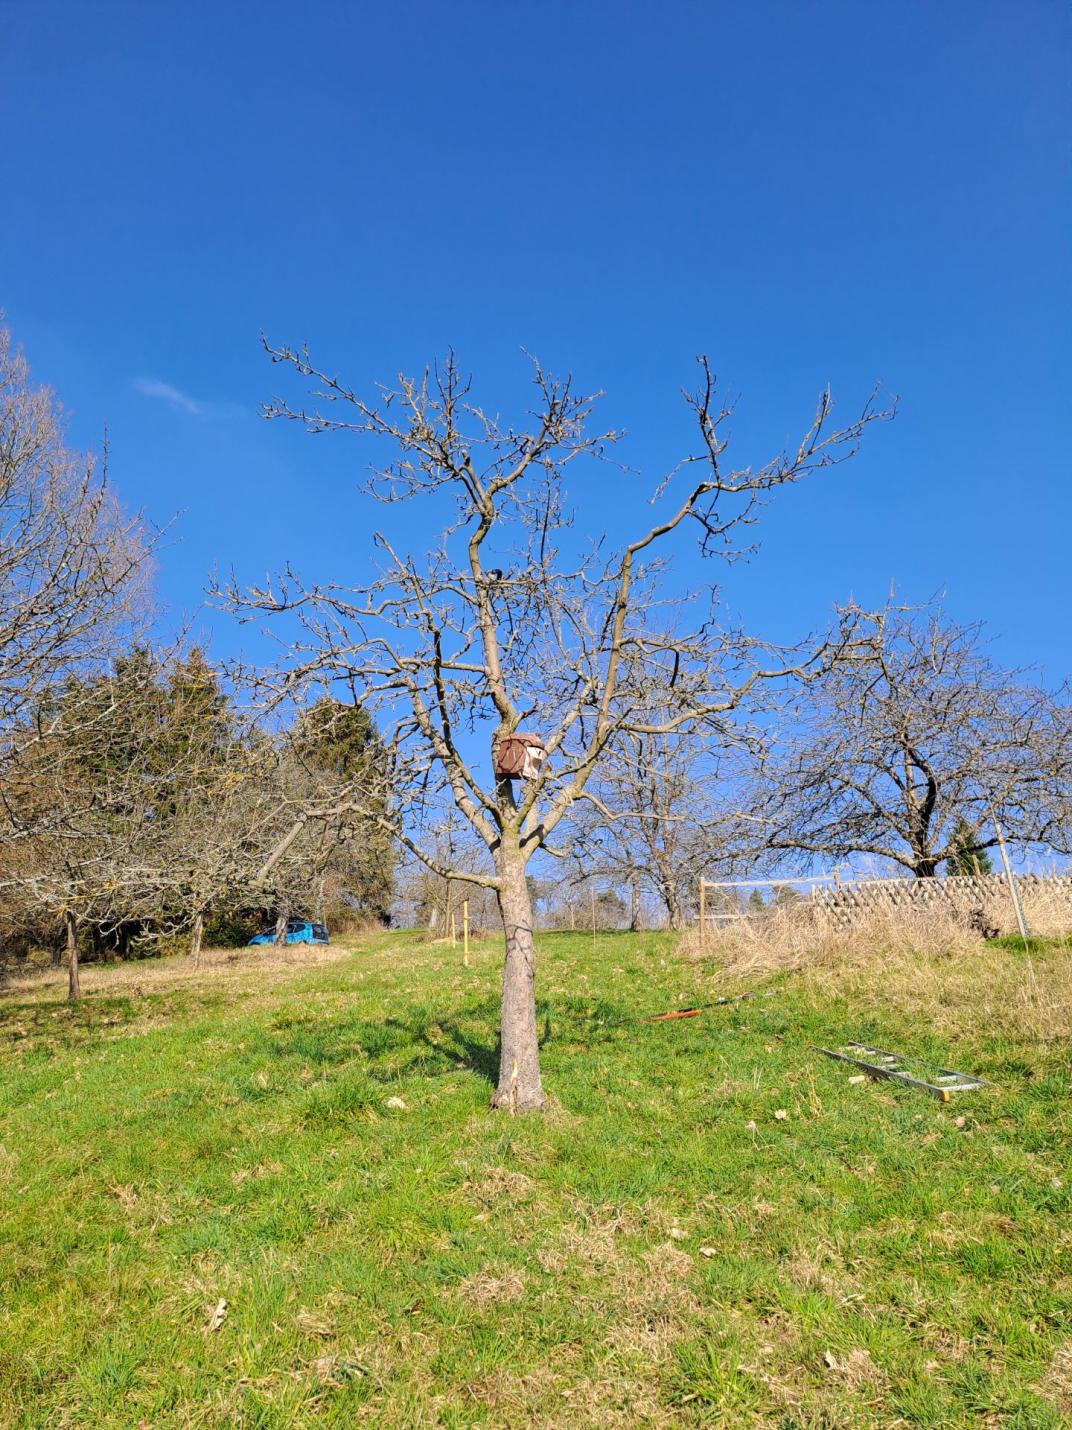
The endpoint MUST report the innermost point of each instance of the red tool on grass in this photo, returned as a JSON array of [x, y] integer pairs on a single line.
[[694, 1012]]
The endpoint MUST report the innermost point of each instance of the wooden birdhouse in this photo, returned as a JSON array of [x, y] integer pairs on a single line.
[[519, 757]]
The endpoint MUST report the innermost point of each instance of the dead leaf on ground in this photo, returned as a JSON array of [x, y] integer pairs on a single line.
[[219, 1315]]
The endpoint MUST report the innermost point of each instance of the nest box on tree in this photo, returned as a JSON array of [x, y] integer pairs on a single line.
[[519, 757]]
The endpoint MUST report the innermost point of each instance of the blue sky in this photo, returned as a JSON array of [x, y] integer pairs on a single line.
[[843, 193]]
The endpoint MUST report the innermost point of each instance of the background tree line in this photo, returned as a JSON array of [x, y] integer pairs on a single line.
[[138, 799]]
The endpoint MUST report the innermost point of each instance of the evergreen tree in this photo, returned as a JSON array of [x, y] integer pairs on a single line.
[[968, 856], [338, 744]]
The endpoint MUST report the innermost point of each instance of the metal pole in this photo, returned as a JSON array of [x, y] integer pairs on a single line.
[[1013, 890]]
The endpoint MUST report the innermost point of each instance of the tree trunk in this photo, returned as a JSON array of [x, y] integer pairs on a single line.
[[281, 927], [634, 907], [74, 989], [927, 868], [520, 1088], [197, 932], [675, 913]]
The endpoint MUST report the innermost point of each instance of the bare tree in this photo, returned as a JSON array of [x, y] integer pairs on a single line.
[[83, 803], [911, 747], [512, 622], [131, 810], [662, 812], [72, 567], [208, 854]]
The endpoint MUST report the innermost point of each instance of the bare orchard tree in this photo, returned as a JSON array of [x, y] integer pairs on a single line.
[[104, 815], [208, 855], [913, 746], [80, 841], [661, 813], [72, 567], [514, 622]]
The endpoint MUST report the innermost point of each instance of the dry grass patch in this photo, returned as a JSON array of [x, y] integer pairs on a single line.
[[1056, 1384], [800, 934], [483, 1290], [547, 1399], [494, 1185], [263, 965], [928, 964]]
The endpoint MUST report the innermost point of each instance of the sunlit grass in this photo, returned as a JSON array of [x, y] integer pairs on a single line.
[[661, 1248]]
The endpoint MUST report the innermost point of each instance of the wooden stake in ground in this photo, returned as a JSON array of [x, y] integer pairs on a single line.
[[1013, 890], [465, 933], [74, 989], [196, 935], [703, 908]]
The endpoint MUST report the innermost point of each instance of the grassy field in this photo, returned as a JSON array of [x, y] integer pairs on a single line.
[[713, 1225]]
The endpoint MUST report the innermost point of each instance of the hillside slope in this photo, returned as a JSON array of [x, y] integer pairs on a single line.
[[712, 1224]]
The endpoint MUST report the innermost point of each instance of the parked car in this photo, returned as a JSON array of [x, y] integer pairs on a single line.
[[298, 931]]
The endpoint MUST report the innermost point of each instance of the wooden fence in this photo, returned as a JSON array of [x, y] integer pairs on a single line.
[[982, 901]]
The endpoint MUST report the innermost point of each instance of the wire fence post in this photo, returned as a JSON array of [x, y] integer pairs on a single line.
[[703, 909], [465, 933]]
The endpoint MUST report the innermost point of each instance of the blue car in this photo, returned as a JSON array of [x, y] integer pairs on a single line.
[[298, 931]]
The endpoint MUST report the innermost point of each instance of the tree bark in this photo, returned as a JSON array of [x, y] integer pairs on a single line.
[[634, 907], [281, 928], [74, 989], [675, 913], [520, 1088], [197, 932]]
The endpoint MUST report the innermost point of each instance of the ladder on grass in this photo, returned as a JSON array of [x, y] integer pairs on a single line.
[[928, 1077]]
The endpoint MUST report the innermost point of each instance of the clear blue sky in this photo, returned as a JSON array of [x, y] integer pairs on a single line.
[[843, 193]]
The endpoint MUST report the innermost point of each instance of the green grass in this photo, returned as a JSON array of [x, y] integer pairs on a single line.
[[661, 1248]]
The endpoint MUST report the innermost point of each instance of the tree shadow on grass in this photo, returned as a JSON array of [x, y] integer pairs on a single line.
[[43, 1027], [420, 1041], [451, 1041], [448, 1043]]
